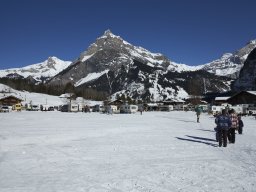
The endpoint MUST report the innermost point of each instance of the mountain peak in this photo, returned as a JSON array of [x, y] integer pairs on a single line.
[[108, 32], [226, 55], [54, 59], [252, 41]]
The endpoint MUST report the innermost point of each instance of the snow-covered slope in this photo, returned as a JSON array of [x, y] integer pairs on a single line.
[[90, 77], [46, 69], [230, 64], [39, 98], [179, 67], [27, 97]]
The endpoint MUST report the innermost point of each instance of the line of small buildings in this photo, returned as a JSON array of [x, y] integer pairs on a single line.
[[243, 102]]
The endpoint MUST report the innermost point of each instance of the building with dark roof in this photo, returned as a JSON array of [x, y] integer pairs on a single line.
[[243, 97]]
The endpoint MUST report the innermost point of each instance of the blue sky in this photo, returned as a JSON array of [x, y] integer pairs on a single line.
[[186, 31]]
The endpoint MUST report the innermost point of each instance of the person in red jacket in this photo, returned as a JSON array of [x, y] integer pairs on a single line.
[[234, 126]]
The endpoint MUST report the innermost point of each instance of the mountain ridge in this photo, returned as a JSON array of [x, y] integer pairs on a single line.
[[46, 69], [116, 66]]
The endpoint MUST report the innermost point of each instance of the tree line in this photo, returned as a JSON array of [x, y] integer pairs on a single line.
[[57, 90]]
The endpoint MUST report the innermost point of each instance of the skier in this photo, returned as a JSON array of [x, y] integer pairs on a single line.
[[223, 122], [198, 110]]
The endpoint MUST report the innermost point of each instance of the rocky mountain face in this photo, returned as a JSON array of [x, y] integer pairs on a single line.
[[109, 52], [117, 67], [230, 64], [247, 76], [146, 82], [37, 72]]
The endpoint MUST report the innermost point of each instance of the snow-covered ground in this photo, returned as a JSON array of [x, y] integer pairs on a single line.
[[153, 152]]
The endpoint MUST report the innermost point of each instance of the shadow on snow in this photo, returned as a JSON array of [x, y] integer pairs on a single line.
[[187, 121], [198, 140], [206, 130]]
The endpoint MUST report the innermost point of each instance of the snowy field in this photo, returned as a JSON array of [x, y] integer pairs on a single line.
[[92, 152]]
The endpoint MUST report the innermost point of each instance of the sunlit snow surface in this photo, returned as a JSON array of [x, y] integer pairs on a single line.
[[156, 151], [48, 68]]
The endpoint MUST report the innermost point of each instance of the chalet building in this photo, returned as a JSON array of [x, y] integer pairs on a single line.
[[178, 104], [220, 100], [116, 103], [174, 101], [9, 100], [243, 97], [151, 107]]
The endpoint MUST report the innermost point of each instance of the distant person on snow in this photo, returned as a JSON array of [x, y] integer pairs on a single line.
[[198, 110], [223, 122], [110, 111], [141, 110], [240, 125], [234, 126]]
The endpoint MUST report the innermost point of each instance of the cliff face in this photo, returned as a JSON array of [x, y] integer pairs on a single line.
[[247, 77]]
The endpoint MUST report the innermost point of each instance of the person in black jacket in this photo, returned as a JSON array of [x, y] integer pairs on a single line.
[[240, 125]]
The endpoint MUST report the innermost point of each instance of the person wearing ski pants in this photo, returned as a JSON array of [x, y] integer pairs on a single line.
[[223, 123]]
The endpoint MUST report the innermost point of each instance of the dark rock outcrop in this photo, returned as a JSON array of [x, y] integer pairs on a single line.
[[247, 77]]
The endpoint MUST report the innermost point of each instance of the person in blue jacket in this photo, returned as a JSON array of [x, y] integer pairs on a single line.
[[223, 122]]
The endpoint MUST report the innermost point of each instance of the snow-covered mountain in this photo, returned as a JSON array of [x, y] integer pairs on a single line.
[[109, 52], [40, 71], [113, 65], [230, 64]]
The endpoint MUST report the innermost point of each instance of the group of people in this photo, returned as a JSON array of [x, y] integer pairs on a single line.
[[227, 123]]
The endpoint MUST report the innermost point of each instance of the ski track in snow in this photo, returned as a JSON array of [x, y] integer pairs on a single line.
[[156, 151]]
